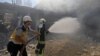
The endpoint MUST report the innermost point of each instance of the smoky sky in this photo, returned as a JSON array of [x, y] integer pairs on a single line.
[[57, 5], [64, 6], [81, 8]]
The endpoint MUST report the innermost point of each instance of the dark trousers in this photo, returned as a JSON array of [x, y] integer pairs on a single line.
[[14, 48], [39, 48]]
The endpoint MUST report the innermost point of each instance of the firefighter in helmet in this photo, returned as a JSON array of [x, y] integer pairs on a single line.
[[41, 40]]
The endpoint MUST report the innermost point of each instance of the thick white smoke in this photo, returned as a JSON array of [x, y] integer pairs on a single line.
[[57, 5], [65, 25], [63, 6]]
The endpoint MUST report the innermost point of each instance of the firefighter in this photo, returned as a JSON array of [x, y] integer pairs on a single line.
[[41, 40], [19, 37]]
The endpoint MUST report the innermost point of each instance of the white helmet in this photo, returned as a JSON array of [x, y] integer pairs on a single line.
[[27, 18], [42, 20]]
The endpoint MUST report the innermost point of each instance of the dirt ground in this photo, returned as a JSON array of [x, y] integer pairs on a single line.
[[65, 47]]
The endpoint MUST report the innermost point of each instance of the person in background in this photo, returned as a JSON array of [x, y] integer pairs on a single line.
[[41, 40], [19, 37]]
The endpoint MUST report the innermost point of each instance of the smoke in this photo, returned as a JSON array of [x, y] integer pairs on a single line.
[[66, 25], [87, 11], [64, 6], [89, 14], [91, 24], [61, 6], [86, 7]]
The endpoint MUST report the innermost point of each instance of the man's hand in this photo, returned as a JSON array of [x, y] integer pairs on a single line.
[[36, 33]]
